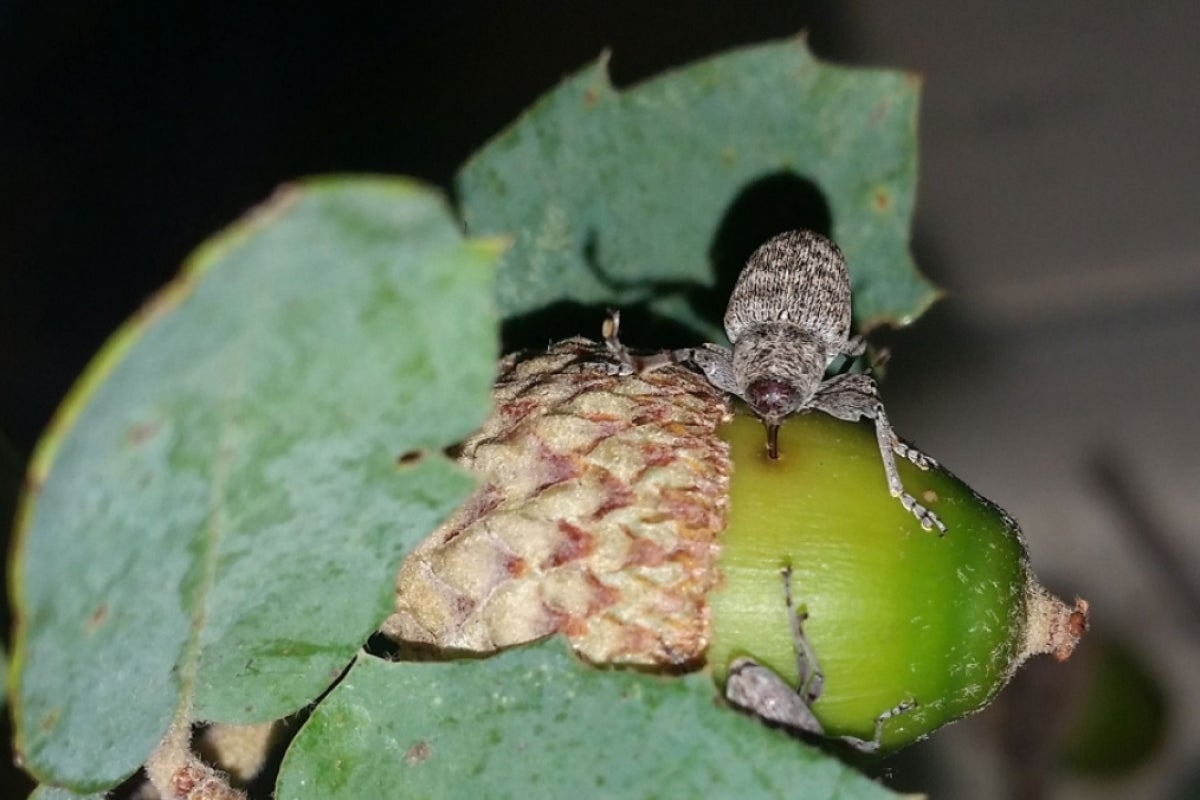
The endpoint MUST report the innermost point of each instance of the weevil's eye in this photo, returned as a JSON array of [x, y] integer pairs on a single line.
[[771, 398]]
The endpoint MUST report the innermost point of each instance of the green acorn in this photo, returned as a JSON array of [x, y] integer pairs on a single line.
[[896, 616], [641, 518]]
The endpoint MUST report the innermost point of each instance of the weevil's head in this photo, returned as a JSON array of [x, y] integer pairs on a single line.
[[779, 380], [773, 398], [779, 367]]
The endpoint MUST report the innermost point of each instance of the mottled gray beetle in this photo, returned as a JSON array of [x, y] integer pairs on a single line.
[[788, 319]]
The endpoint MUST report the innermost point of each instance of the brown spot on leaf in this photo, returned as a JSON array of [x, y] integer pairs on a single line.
[[419, 753], [882, 199], [49, 721], [143, 432], [590, 97], [97, 619]]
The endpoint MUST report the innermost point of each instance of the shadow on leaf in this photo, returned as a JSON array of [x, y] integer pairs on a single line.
[[774, 203]]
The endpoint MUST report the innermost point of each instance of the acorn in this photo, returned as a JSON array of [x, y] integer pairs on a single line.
[[917, 628], [640, 517]]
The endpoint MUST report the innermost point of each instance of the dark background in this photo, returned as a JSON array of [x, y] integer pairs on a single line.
[[133, 130], [1059, 202]]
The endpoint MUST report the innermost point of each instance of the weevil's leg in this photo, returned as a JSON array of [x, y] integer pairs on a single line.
[[610, 329], [879, 358], [849, 351], [854, 347], [811, 680], [714, 361], [872, 745], [629, 363], [754, 688], [852, 397], [907, 451]]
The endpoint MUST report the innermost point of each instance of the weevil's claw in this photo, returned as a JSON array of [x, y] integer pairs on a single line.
[[626, 362], [873, 744], [927, 518], [912, 454]]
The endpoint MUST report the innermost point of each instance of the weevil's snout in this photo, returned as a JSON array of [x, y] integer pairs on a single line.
[[772, 399]]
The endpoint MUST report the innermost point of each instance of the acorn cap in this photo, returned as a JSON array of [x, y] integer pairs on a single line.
[[597, 515]]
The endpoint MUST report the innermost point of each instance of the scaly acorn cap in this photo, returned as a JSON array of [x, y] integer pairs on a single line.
[[597, 517], [639, 517]]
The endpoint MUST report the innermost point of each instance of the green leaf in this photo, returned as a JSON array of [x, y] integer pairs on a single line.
[[610, 194], [534, 723], [55, 793], [218, 513]]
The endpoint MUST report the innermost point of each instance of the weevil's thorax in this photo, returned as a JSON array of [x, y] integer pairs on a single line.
[[799, 279], [778, 367]]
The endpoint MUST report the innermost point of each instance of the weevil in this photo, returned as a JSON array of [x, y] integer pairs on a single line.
[[788, 319], [759, 690]]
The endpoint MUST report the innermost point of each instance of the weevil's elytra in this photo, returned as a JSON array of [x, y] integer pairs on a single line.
[[797, 278], [788, 319]]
